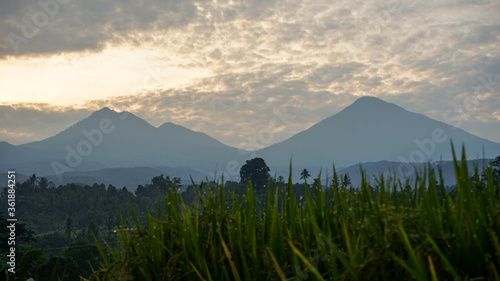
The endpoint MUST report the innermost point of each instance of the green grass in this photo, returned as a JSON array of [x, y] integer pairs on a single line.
[[390, 231]]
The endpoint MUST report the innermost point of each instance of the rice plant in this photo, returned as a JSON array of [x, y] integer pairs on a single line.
[[389, 231]]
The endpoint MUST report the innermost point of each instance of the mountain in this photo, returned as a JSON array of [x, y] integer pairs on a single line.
[[372, 130], [369, 130], [108, 139], [24, 160]]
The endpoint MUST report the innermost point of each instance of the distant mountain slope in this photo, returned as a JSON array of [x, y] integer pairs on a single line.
[[403, 171], [129, 177], [110, 139], [369, 130], [373, 130]]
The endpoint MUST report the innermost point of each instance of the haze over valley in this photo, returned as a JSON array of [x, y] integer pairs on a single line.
[[104, 147]]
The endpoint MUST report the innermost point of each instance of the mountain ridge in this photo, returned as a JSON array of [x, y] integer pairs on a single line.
[[369, 129]]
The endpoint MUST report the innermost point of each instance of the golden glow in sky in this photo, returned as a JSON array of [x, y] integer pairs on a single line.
[[68, 79], [224, 67]]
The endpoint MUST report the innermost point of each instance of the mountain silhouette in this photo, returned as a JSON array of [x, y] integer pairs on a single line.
[[108, 139], [371, 130]]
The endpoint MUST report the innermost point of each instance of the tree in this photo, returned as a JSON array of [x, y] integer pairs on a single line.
[[32, 181], [304, 175], [43, 183], [112, 189], [347, 180], [177, 182], [140, 191], [495, 167], [256, 171], [316, 183], [281, 180]]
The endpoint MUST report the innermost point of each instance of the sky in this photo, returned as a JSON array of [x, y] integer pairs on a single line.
[[234, 69]]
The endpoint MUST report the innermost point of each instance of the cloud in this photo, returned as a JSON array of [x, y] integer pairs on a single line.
[[54, 26], [311, 57], [235, 115], [27, 122]]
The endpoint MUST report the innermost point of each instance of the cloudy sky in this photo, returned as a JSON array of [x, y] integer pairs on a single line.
[[230, 68]]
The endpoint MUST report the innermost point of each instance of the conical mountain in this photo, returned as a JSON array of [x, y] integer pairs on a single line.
[[109, 124], [373, 130]]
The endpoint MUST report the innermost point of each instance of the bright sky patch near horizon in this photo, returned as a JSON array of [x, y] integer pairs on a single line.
[[227, 68]]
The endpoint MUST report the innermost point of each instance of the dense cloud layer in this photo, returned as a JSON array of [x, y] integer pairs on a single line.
[[312, 58]]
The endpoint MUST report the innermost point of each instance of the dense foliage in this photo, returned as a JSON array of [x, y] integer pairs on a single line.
[[56, 225], [255, 171], [45, 208], [390, 231]]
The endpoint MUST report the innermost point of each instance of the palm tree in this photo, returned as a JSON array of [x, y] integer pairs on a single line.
[[304, 175]]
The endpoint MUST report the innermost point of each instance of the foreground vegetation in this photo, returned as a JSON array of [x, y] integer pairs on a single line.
[[54, 232], [390, 231]]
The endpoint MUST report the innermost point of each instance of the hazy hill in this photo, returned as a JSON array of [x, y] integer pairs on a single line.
[[373, 170], [129, 177], [372, 130], [369, 130], [111, 139]]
